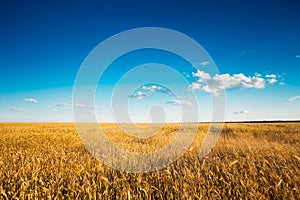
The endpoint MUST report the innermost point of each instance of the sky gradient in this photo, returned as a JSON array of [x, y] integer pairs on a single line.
[[254, 44]]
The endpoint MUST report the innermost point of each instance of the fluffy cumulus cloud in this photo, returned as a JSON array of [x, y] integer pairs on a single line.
[[242, 112], [295, 98], [180, 102], [31, 100], [139, 95], [215, 84]]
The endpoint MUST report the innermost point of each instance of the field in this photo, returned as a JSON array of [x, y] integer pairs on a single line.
[[250, 161]]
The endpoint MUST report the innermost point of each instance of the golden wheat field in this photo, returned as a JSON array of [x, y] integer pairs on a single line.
[[250, 161]]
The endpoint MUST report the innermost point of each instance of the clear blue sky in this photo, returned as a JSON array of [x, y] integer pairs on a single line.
[[43, 43]]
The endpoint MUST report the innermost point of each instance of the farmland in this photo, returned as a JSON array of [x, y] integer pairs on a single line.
[[249, 161]]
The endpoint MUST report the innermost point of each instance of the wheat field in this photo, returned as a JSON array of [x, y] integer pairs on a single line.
[[249, 161]]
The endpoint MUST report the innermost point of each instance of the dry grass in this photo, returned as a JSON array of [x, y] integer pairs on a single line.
[[250, 161]]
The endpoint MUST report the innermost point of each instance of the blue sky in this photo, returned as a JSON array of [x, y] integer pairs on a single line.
[[254, 44]]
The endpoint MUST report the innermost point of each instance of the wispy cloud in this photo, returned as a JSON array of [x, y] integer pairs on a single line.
[[201, 64], [180, 102], [242, 112], [187, 75], [83, 105], [92, 112], [145, 90], [31, 100], [257, 74], [204, 63], [139, 95], [156, 88], [295, 98], [298, 56], [215, 84], [275, 78], [63, 104], [16, 109], [247, 51], [54, 110], [271, 78]]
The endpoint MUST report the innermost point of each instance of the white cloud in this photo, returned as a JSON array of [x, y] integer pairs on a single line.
[[294, 98], [187, 75], [242, 112], [271, 76], [156, 88], [215, 84], [272, 80], [298, 56], [54, 110], [204, 63], [16, 109], [180, 102], [281, 83], [139, 95], [83, 105], [31, 100], [257, 74]]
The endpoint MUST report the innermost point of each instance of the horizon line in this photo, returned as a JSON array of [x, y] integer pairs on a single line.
[[233, 121]]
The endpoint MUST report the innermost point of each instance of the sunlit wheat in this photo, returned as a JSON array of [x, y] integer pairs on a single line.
[[250, 161]]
